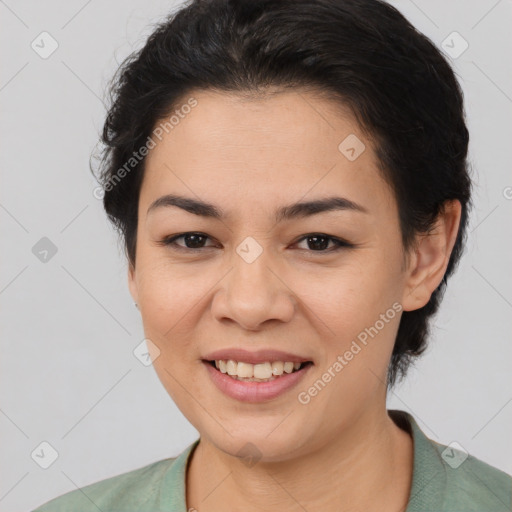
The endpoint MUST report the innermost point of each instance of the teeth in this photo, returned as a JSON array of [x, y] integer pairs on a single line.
[[244, 370], [256, 372], [277, 368], [261, 371], [231, 367]]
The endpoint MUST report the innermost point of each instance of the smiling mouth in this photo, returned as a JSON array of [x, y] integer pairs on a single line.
[[263, 372]]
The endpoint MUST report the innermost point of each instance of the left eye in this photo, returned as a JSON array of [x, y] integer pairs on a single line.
[[194, 242], [320, 242]]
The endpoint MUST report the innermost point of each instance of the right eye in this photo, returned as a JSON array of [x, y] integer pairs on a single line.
[[193, 241]]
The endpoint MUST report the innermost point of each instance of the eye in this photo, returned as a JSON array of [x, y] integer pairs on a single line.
[[194, 241], [320, 242]]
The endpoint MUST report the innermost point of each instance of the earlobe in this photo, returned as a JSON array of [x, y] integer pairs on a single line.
[[428, 263]]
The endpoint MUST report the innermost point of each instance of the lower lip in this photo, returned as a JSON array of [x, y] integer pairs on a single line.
[[246, 391]]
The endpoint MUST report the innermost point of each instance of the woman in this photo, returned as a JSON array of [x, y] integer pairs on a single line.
[[290, 180]]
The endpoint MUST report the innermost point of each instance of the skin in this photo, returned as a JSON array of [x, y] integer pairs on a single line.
[[250, 157]]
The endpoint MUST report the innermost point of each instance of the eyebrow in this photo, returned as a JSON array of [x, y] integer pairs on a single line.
[[292, 211]]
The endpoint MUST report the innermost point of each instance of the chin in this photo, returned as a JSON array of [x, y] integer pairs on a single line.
[[262, 442]]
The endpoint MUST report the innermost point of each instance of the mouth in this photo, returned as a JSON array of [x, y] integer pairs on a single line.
[[262, 372], [256, 383]]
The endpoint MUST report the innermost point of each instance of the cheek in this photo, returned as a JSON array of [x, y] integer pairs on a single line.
[[170, 293], [350, 305], [172, 298], [169, 321], [349, 297]]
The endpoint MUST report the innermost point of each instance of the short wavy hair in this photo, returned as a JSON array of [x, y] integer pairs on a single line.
[[361, 53]]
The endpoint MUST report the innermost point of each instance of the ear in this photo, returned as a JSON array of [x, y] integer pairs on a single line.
[[430, 257], [132, 283]]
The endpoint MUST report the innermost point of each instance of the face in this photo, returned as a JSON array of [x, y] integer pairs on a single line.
[[312, 282]]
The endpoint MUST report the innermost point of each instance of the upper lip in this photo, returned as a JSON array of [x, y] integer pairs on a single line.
[[254, 357]]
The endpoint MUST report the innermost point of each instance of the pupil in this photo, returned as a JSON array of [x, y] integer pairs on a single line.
[[195, 240], [316, 244]]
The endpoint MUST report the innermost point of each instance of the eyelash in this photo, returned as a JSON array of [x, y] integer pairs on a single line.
[[339, 243]]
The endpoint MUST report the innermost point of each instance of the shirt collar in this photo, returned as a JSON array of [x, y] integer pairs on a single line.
[[172, 492], [429, 472]]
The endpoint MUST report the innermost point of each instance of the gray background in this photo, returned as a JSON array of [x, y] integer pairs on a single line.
[[69, 327]]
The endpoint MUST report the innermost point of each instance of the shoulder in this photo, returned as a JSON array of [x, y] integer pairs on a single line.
[[127, 491], [473, 485], [448, 479]]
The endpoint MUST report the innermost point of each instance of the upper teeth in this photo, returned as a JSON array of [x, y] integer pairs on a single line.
[[258, 371]]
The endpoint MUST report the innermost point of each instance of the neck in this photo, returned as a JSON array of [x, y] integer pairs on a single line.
[[368, 467]]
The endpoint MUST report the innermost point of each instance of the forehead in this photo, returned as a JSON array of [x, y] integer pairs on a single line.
[[231, 121], [231, 148]]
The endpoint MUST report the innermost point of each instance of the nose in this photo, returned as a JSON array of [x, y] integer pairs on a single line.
[[254, 293]]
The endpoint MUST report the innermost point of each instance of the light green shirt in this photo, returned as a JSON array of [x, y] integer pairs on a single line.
[[444, 480]]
